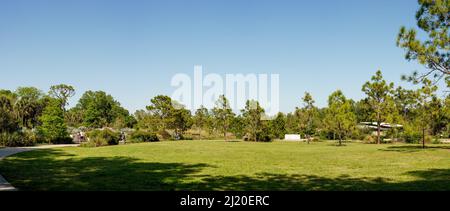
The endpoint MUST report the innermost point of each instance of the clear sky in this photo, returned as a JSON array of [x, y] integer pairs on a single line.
[[132, 48]]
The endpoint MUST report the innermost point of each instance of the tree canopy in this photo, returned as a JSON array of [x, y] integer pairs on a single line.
[[433, 52]]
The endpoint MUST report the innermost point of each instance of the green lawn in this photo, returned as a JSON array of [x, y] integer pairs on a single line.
[[219, 165]]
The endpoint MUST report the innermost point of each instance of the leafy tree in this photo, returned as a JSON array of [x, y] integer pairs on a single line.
[[306, 116], [341, 119], [292, 123], [252, 115], [53, 127], [29, 106], [379, 98], [237, 126], [223, 115], [278, 126], [100, 109], [426, 109], [169, 115], [162, 108], [9, 93], [62, 92], [362, 109], [182, 120], [433, 18], [74, 117], [147, 121], [29, 92], [405, 100], [446, 114], [201, 119], [8, 121], [438, 121]]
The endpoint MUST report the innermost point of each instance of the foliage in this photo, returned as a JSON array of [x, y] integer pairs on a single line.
[[101, 110], [161, 107], [277, 126], [102, 137], [146, 121], [143, 136], [339, 116], [427, 110], [379, 97], [368, 139], [181, 120], [434, 52], [8, 121], [237, 126], [202, 120], [222, 115], [28, 106], [62, 92], [307, 116], [16, 139], [53, 128], [253, 114]]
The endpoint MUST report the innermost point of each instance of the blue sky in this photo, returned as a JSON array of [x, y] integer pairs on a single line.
[[131, 49]]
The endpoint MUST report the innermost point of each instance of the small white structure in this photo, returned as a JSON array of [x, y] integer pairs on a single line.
[[292, 137]]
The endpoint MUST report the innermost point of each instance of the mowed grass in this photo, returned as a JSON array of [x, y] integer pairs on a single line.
[[220, 165]]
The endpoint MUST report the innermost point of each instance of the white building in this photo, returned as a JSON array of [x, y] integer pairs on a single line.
[[292, 137]]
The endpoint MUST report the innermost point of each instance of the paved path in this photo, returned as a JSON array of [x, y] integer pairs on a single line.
[[7, 151]]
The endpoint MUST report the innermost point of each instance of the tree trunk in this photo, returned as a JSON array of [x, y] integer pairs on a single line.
[[225, 130], [423, 138], [378, 132]]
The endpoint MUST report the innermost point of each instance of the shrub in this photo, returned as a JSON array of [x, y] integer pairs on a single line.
[[428, 139], [102, 138], [187, 137], [435, 141], [263, 136], [368, 139], [143, 136], [412, 137], [16, 139], [95, 142], [316, 139]]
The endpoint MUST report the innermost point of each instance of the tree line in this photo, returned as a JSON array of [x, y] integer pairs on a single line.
[[421, 112]]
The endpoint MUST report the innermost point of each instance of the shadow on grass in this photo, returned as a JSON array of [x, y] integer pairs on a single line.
[[52, 169], [434, 179], [55, 170], [413, 148]]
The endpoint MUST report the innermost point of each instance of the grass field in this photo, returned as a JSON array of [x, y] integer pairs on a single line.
[[219, 165]]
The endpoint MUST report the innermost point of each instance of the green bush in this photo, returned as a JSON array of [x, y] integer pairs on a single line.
[[316, 139], [104, 137], [435, 141], [187, 137], [264, 136], [411, 137], [143, 136], [368, 139], [16, 139], [95, 142]]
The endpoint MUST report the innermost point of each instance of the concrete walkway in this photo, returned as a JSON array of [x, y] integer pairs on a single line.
[[7, 151]]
